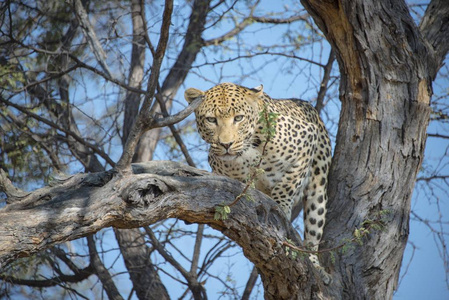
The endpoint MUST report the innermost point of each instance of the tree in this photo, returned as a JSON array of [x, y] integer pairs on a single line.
[[385, 92], [385, 114]]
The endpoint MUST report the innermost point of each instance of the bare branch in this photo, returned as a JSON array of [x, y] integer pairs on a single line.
[[195, 287], [324, 82], [79, 64], [267, 20], [80, 275], [250, 284], [190, 279], [106, 76], [437, 135], [427, 179], [170, 120], [101, 271], [251, 20], [90, 35], [197, 249], [46, 79], [267, 52]]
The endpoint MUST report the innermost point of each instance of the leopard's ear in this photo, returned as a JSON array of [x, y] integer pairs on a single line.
[[258, 90], [192, 93]]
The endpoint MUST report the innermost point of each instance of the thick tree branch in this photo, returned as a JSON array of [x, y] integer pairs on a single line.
[[385, 88], [434, 28], [91, 202]]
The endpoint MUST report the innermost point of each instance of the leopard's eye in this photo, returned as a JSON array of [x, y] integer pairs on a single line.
[[238, 118], [211, 120]]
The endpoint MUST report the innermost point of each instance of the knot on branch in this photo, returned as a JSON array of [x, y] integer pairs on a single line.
[[142, 192], [98, 179]]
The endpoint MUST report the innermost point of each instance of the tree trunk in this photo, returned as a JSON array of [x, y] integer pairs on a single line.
[[386, 75]]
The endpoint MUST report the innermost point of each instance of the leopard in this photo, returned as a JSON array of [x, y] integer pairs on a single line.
[[295, 160]]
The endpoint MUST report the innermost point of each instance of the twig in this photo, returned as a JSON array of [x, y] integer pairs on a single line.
[[250, 20], [359, 234]]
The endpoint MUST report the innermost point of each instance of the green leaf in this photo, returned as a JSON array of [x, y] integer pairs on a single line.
[[221, 212]]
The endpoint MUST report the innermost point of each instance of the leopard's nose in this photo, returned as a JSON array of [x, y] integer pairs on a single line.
[[227, 145]]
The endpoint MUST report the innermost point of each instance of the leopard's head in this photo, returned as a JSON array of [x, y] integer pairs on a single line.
[[227, 118]]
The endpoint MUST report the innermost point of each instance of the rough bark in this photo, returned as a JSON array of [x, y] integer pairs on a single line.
[[434, 29], [87, 203], [386, 72]]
